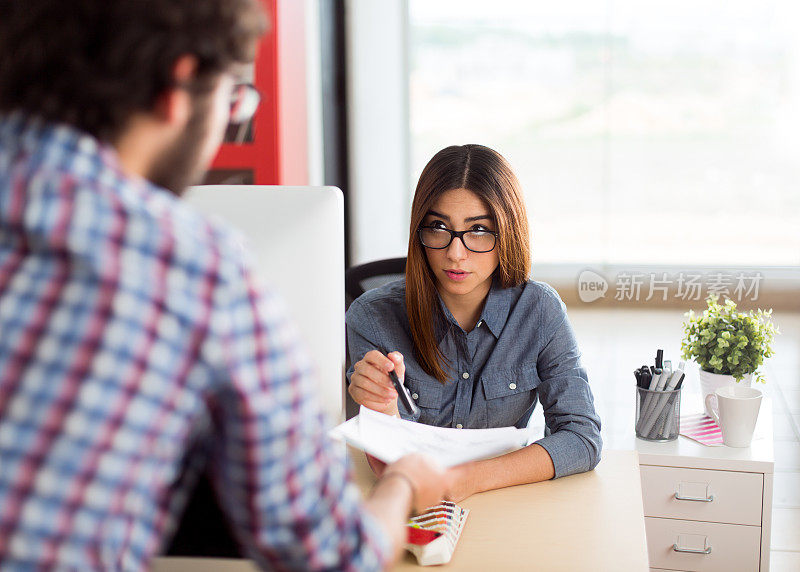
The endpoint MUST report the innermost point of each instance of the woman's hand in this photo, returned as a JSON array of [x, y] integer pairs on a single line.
[[376, 465], [459, 483], [370, 384]]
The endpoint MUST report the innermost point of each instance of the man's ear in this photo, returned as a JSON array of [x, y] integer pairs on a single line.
[[174, 105]]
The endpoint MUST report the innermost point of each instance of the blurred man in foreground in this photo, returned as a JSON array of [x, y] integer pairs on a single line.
[[130, 327]]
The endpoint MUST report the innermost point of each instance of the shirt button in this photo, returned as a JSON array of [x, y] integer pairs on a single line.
[[512, 385], [479, 324], [414, 396], [459, 426], [465, 375]]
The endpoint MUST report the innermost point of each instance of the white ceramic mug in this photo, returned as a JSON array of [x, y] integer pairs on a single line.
[[735, 409]]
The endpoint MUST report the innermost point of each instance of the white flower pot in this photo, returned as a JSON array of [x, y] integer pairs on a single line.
[[710, 382]]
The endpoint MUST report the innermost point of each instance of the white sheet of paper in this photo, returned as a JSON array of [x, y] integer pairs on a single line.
[[389, 438]]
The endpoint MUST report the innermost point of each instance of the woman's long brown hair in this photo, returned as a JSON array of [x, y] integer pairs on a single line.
[[487, 174]]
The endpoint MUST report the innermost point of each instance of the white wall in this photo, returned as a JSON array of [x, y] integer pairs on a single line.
[[299, 93], [377, 85], [379, 194]]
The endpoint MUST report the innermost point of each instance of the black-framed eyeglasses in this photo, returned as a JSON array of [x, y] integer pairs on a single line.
[[439, 238], [245, 98]]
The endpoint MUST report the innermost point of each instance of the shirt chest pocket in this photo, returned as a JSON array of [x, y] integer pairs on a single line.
[[427, 396], [509, 393]]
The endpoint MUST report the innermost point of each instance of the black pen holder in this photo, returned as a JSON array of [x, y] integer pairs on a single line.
[[658, 414]]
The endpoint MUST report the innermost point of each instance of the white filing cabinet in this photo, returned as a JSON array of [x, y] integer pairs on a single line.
[[707, 508]]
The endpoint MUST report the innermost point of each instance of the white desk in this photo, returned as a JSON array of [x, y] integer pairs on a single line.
[[591, 521], [736, 522]]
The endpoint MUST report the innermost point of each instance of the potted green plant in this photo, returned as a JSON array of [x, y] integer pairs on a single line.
[[727, 344]]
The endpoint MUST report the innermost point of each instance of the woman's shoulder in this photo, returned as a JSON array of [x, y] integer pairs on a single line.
[[541, 297], [390, 297], [535, 309], [543, 290]]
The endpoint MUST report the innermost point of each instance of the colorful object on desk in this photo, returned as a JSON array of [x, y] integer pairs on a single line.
[[702, 429], [432, 536], [421, 536]]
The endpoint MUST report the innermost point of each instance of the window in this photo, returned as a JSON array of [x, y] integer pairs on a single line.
[[642, 132]]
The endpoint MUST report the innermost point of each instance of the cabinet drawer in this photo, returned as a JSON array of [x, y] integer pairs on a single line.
[[729, 546], [725, 496]]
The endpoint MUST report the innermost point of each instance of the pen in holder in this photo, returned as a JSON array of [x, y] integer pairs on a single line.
[[658, 414]]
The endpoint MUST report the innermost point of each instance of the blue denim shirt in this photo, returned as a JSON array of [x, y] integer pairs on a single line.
[[523, 350]]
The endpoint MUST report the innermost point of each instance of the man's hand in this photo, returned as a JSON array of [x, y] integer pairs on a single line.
[[413, 483], [423, 475]]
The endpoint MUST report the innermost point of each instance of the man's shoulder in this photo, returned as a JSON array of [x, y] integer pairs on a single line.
[[199, 236], [65, 172], [164, 226]]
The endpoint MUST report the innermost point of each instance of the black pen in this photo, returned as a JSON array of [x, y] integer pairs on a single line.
[[402, 392], [646, 377], [643, 377]]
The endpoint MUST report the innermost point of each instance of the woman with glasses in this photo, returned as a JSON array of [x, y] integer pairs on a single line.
[[475, 341]]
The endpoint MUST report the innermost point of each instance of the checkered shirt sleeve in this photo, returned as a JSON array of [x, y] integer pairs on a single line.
[[131, 333], [286, 486]]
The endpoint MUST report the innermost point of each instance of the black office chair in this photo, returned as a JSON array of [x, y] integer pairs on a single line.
[[359, 279]]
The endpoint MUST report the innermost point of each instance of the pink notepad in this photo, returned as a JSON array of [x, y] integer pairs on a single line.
[[702, 429]]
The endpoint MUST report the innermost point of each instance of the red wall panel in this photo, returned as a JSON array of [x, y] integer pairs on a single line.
[[261, 156]]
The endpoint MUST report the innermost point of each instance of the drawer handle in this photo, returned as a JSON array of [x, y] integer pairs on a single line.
[[677, 548], [709, 498]]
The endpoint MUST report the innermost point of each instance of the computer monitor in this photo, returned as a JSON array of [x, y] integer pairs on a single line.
[[296, 235]]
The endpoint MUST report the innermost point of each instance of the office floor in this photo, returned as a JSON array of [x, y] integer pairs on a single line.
[[614, 342]]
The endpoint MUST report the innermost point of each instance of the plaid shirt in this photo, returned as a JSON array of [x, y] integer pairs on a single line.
[[131, 332]]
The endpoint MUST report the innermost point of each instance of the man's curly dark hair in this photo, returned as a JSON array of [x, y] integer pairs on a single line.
[[94, 63]]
